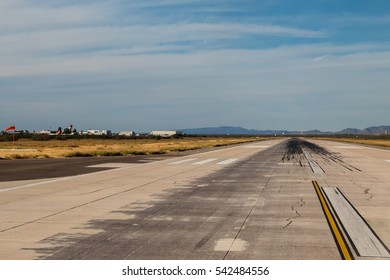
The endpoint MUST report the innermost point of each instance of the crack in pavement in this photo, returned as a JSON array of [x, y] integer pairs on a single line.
[[297, 214]]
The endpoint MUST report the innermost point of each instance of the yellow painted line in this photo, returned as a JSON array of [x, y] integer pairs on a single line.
[[340, 241]]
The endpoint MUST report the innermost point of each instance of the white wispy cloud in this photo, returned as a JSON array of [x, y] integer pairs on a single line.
[[104, 36], [24, 16], [38, 47], [131, 54]]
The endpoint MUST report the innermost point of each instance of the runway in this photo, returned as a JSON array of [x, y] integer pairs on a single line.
[[250, 201]]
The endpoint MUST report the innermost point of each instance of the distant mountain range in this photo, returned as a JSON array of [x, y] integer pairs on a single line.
[[373, 130], [230, 130]]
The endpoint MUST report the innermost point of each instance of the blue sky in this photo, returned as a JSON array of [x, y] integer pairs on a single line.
[[171, 64]]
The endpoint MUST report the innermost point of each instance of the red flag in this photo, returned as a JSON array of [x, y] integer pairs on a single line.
[[12, 127]]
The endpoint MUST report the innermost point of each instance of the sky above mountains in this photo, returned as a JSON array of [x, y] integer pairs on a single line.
[[169, 64]]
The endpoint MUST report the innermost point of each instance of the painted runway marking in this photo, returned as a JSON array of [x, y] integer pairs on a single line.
[[228, 161], [338, 237], [255, 146], [208, 160], [35, 184], [183, 161], [112, 165], [230, 244], [307, 154], [205, 161], [363, 239], [347, 147], [315, 167]]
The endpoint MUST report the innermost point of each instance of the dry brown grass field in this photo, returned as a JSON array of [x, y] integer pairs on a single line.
[[24, 148]]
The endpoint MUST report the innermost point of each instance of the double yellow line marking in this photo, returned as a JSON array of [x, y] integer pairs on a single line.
[[339, 238]]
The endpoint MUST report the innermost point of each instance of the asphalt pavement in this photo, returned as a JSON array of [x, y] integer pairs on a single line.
[[251, 201]]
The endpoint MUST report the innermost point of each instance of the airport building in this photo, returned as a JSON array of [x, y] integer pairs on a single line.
[[164, 133], [97, 132], [126, 133]]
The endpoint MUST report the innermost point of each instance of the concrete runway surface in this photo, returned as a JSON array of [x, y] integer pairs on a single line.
[[266, 200]]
